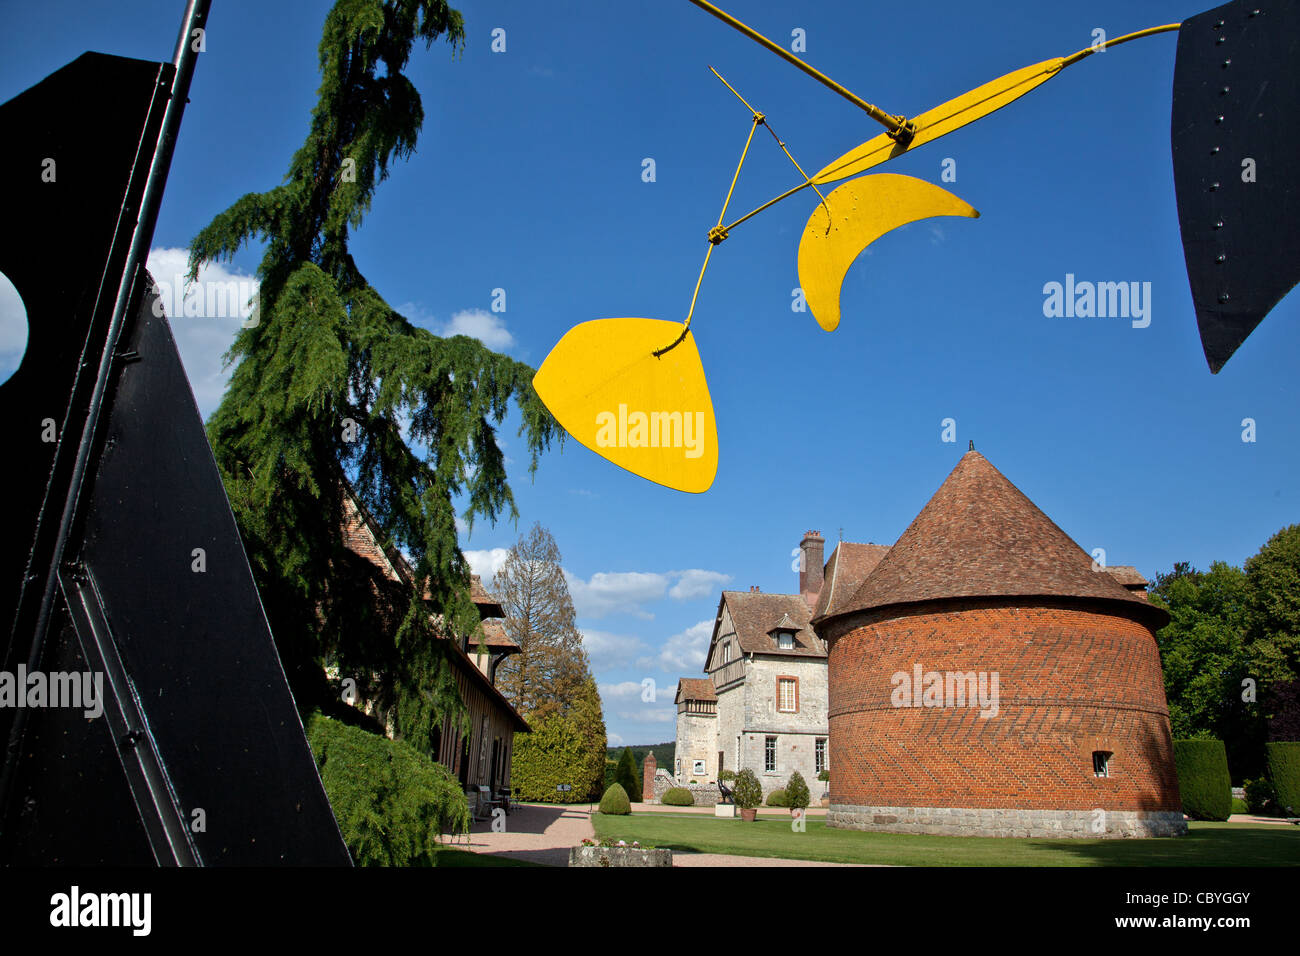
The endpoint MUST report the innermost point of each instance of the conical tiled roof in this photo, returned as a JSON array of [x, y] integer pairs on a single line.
[[979, 536]]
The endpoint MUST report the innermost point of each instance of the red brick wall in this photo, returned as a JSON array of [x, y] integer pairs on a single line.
[[1071, 681]]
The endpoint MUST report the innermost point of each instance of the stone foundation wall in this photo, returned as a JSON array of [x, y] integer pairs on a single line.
[[955, 821]]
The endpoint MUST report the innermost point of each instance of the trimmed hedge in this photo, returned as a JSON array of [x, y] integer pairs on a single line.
[[678, 797], [1239, 805], [727, 775], [1203, 780], [777, 798], [390, 800], [796, 791], [1284, 774], [1259, 796], [615, 801]]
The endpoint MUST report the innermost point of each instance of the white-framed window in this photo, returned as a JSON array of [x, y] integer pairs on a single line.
[[1101, 763], [769, 753], [697, 768], [787, 695], [785, 640], [819, 754], [726, 652]]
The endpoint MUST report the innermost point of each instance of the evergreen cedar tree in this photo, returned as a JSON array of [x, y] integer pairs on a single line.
[[329, 360], [627, 776]]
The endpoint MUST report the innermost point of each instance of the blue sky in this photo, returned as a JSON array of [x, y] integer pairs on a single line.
[[528, 178]]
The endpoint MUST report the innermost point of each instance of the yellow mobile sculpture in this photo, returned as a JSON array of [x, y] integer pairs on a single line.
[[633, 390]]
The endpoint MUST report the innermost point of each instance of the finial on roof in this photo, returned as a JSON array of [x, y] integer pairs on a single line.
[[972, 445]]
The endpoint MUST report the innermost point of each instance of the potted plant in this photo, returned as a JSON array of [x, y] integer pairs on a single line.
[[796, 794], [748, 794], [825, 777]]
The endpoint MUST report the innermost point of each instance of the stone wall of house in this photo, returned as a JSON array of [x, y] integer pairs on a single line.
[[796, 733], [697, 739]]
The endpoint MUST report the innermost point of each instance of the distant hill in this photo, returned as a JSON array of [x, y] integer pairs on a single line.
[[665, 754]]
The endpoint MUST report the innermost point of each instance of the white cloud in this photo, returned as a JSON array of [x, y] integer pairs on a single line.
[[684, 652], [623, 692], [488, 327], [609, 651], [649, 715], [205, 320], [617, 592], [696, 583], [613, 740], [486, 564]]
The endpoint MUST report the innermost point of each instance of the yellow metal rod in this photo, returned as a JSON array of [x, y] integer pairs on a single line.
[[760, 119], [892, 123], [743, 153], [1073, 58], [1089, 51]]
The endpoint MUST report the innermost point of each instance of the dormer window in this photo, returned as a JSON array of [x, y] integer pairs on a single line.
[[785, 640]]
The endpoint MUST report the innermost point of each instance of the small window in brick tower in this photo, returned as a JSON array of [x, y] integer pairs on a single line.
[[820, 754], [1101, 763], [769, 753]]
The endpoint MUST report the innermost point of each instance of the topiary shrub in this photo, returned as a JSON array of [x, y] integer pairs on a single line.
[[726, 776], [1239, 805], [678, 797], [390, 800], [615, 801], [1203, 781], [1284, 774], [748, 792], [796, 792], [824, 776], [777, 799], [1259, 797]]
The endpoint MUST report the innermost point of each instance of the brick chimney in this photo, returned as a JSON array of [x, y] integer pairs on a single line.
[[649, 766], [811, 565]]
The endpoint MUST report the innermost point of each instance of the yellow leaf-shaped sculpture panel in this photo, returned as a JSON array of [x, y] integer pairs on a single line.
[[861, 211], [651, 415], [943, 119]]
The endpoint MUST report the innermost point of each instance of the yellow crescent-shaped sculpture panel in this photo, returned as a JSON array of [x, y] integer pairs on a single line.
[[861, 211], [943, 119], [650, 415]]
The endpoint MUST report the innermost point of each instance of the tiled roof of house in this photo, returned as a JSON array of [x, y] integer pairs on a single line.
[[755, 614], [848, 567], [495, 637], [361, 536], [979, 536], [1127, 575], [693, 688]]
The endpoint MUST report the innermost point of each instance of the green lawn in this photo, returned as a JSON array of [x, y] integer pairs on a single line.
[[1207, 844]]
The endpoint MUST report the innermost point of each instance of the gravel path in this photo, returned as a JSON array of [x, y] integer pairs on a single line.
[[544, 834]]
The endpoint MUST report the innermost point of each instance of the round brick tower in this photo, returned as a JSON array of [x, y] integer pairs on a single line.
[[987, 679]]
